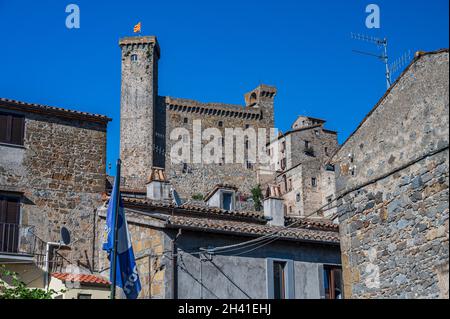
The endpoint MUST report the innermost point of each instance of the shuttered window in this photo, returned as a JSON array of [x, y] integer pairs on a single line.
[[9, 223], [11, 128]]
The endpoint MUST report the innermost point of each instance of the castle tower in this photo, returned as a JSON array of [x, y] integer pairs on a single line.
[[138, 108], [263, 97]]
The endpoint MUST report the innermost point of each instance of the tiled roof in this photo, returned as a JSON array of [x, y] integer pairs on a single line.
[[146, 203], [211, 219], [207, 224], [312, 223], [51, 110], [82, 278]]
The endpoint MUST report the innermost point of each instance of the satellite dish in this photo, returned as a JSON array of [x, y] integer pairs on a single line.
[[65, 236], [176, 198]]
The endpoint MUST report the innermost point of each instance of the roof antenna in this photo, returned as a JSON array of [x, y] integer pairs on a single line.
[[400, 62], [383, 57]]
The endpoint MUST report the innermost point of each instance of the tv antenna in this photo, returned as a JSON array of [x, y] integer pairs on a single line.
[[400, 62], [381, 43]]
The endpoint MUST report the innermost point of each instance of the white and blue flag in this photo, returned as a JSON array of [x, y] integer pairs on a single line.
[[127, 276]]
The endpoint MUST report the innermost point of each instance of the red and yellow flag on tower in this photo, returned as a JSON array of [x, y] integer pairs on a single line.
[[137, 28]]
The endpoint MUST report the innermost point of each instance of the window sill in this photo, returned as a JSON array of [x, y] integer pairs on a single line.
[[12, 145]]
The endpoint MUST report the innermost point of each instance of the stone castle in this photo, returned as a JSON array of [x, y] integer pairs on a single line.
[[148, 118]]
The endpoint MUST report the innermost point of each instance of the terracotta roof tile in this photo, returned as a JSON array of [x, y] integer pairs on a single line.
[[254, 229], [82, 278], [56, 111]]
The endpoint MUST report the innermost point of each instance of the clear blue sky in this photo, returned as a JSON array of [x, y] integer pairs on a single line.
[[214, 51]]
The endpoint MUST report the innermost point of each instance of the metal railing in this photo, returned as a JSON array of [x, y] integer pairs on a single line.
[[17, 239]]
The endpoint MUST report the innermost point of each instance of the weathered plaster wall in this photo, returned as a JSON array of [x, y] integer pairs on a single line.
[[244, 276]]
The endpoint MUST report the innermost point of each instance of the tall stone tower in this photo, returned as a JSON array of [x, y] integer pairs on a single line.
[[138, 106]]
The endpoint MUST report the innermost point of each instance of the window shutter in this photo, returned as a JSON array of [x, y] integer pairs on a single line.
[[3, 205], [17, 130], [12, 211], [3, 128], [269, 278], [290, 282]]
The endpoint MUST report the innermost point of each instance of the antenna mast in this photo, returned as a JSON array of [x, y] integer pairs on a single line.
[[383, 57]]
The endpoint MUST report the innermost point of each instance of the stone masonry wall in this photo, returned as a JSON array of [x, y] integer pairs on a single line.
[[394, 173], [61, 170], [150, 250], [138, 104], [201, 178]]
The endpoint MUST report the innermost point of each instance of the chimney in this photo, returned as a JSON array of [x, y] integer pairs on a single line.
[[158, 187], [273, 206], [222, 196]]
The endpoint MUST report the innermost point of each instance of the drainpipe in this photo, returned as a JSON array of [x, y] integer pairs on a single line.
[[47, 262], [175, 266]]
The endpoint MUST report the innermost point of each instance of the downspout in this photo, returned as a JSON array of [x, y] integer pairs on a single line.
[[175, 266], [94, 239]]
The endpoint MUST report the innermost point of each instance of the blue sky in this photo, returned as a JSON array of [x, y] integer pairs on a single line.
[[214, 51]]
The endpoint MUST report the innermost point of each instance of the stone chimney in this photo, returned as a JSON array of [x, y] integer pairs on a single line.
[[222, 196], [273, 206], [158, 187]]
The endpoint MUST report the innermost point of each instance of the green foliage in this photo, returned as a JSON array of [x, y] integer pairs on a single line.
[[257, 197], [197, 197], [18, 289]]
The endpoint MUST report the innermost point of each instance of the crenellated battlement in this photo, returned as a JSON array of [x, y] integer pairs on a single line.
[[211, 109]]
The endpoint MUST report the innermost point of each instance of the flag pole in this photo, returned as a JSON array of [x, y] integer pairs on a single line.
[[115, 239]]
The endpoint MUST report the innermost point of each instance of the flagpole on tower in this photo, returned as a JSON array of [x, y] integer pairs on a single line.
[[115, 237]]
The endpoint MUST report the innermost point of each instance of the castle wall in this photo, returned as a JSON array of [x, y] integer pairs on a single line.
[[200, 178]]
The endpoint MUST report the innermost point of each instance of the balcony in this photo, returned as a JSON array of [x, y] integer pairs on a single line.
[[17, 242]]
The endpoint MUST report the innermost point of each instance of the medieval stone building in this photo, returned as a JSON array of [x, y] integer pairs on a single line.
[[392, 189], [147, 120], [301, 167], [52, 175], [184, 251]]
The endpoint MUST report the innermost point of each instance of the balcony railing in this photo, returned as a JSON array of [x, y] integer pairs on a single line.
[[17, 239]]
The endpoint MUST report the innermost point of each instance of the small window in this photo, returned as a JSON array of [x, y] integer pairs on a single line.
[[185, 120], [220, 124], [332, 281], [283, 163], [9, 223], [247, 126], [84, 296], [313, 182], [11, 128], [185, 168], [227, 201], [283, 146], [307, 144], [134, 57], [290, 184], [279, 280], [249, 164], [316, 132], [297, 197], [326, 151]]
